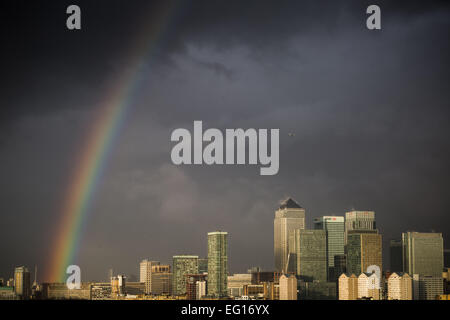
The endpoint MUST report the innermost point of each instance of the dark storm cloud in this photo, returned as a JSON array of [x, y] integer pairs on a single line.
[[369, 110]]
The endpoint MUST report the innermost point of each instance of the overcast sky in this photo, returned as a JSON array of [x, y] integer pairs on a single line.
[[369, 109]]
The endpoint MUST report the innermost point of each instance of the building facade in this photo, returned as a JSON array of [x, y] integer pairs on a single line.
[[423, 253], [359, 222], [22, 283], [311, 253], [217, 263], [396, 256], [145, 273], [348, 287], [427, 287], [161, 280], [369, 286], [364, 250], [399, 286], [288, 287], [183, 265], [334, 227], [289, 217], [191, 286]]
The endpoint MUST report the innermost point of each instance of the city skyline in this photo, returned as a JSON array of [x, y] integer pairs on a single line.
[[147, 262], [87, 116]]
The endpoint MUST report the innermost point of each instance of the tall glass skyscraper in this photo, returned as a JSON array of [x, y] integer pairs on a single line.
[[289, 217], [334, 228], [217, 263]]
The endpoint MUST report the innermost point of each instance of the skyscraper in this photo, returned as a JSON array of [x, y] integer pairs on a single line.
[[145, 274], [161, 280], [363, 251], [217, 263], [334, 228], [423, 253], [183, 265], [289, 217], [359, 222], [395, 254], [311, 253], [22, 282]]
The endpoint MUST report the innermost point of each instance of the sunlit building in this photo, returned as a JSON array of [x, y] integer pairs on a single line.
[[289, 217]]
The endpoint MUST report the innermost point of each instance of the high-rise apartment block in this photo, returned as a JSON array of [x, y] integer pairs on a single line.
[[217, 263], [183, 265], [289, 217]]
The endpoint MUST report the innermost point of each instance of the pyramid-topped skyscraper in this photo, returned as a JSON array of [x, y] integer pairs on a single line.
[[289, 217]]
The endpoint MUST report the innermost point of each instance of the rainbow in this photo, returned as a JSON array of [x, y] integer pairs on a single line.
[[97, 147]]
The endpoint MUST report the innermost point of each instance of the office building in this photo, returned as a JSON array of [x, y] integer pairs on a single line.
[[317, 290], [183, 265], [288, 287], [145, 273], [399, 286], [395, 254], [217, 263], [289, 217], [364, 250], [427, 287], [258, 277], [334, 227], [423, 253], [446, 258], [161, 280], [22, 283], [359, 222], [340, 265], [311, 252]]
